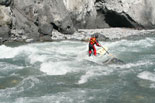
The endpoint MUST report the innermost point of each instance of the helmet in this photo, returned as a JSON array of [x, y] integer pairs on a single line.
[[96, 35]]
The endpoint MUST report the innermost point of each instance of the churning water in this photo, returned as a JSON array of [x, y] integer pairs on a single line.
[[62, 72]]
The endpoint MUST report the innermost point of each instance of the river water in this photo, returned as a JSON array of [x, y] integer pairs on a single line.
[[62, 72]]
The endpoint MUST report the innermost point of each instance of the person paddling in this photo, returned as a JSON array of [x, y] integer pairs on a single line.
[[92, 42]]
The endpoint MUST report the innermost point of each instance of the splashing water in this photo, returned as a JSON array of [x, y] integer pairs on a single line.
[[62, 72]]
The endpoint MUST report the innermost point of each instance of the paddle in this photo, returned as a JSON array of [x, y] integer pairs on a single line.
[[114, 59], [107, 52]]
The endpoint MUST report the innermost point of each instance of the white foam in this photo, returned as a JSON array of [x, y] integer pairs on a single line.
[[152, 85], [147, 76], [125, 45], [7, 52], [7, 67], [91, 74], [11, 52], [131, 65], [85, 77], [37, 58], [55, 68]]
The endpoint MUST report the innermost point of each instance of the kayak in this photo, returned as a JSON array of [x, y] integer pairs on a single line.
[[102, 51]]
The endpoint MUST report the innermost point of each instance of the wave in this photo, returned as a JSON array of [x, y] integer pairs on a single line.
[[11, 52], [55, 68], [147, 76]]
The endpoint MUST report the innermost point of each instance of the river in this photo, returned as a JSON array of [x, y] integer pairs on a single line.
[[62, 72]]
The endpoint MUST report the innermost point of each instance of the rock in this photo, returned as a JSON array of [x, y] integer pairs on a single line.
[[4, 32], [46, 12], [61, 17], [83, 12], [46, 29], [116, 33], [22, 23], [114, 61], [92, 14], [101, 37], [36, 19], [29, 40], [5, 23], [46, 38], [5, 16], [125, 13], [5, 2]]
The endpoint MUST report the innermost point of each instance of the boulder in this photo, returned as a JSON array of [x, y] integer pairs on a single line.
[[22, 23], [5, 23], [83, 12], [5, 16], [4, 33], [5, 2], [128, 13], [43, 12], [46, 29], [113, 60]]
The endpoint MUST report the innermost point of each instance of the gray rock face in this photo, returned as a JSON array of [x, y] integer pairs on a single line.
[[46, 12], [31, 20], [5, 23], [128, 13], [46, 29], [23, 26], [5, 2], [5, 17], [4, 32], [83, 12], [91, 14]]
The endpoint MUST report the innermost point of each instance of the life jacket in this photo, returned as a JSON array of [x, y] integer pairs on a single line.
[[92, 40]]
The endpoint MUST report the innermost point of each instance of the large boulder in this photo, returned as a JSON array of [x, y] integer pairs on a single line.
[[43, 12], [45, 29], [5, 2], [128, 13], [22, 26], [112, 13], [5, 23], [5, 16], [83, 12], [4, 33]]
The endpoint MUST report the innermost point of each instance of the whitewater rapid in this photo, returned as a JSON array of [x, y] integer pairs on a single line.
[[62, 72]]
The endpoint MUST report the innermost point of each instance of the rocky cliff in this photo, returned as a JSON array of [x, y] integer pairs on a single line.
[[32, 20]]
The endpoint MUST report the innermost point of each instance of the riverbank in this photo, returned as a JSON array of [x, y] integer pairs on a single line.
[[104, 34], [107, 34]]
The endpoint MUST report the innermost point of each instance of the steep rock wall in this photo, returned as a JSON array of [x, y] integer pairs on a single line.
[[136, 14], [42, 12], [83, 12], [34, 19], [5, 23]]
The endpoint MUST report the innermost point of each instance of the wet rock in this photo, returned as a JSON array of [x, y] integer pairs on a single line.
[[114, 61]]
